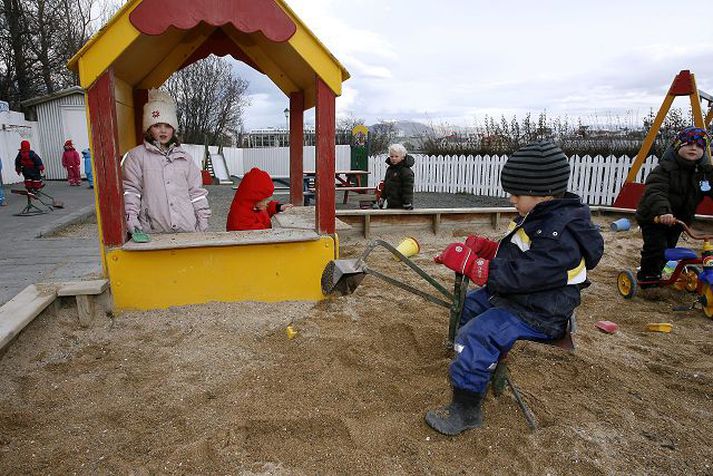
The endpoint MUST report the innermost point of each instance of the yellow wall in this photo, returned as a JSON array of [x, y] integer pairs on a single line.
[[259, 272]]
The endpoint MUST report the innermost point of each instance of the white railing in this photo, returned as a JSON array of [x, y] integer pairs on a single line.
[[597, 180]]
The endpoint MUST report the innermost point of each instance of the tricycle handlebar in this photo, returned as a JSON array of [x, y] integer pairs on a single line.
[[695, 234]]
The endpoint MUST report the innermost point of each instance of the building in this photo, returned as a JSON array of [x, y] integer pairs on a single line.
[[60, 116]]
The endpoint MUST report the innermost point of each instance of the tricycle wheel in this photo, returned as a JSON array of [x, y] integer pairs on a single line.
[[688, 281], [626, 284], [707, 294]]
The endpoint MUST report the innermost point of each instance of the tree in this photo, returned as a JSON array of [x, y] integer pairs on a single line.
[[37, 38], [381, 135], [211, 99]]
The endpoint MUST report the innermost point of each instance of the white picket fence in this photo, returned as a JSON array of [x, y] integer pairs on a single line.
[[597, 180]]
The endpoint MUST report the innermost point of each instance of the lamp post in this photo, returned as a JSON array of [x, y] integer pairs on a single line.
[[287, 124]]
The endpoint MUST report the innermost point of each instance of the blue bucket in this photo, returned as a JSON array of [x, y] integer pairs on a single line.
[[622, 224]]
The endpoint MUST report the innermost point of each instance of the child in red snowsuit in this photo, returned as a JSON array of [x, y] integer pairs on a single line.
[[252, 208], [70, 161]]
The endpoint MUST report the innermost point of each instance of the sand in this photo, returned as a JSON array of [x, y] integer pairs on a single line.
[[220, 388]]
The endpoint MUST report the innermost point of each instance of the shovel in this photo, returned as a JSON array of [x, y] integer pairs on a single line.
[[139, 236], [341, 277]]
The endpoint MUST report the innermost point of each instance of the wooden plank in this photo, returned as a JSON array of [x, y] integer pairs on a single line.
[[297, 102], [325, 157], [22, 309], [213, 239], [82, 288], [105, 155]]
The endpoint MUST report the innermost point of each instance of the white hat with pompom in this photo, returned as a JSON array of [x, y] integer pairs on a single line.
[[160, 108]]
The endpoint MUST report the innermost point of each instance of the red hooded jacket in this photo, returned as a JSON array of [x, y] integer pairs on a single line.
[[256, 185]]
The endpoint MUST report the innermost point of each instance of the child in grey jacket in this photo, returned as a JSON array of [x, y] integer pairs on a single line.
[[163, 190]]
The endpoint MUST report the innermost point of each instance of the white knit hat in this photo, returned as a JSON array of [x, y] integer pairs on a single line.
[[160, 108]]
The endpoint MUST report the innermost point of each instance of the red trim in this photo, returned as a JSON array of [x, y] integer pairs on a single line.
[[107, 168], [705, 207], [297, 106], [141, 97], [631, 193], [154, 17], [682, 84], [325, 157], [219, 44]]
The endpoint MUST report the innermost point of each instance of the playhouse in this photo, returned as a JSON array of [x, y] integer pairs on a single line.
[[138, 49]]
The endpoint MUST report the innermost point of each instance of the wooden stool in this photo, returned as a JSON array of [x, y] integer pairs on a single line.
[[85, 293]]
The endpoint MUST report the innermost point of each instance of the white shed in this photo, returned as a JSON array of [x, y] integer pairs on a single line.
[[14, 128], [60, 116]]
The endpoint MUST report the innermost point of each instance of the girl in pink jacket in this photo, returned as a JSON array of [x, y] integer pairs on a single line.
[[70, 161], [163, 190]]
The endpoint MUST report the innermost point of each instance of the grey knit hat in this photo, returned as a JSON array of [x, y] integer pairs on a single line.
[[538, 169]]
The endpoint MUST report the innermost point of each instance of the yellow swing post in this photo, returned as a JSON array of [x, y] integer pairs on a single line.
[[684, 84]]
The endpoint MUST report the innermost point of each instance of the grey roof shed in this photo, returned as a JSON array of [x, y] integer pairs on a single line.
[[60, 116]]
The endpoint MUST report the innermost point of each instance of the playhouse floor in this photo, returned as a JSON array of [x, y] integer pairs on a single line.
[[221, 389]]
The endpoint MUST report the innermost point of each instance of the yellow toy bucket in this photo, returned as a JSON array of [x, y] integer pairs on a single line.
[[408, 247]]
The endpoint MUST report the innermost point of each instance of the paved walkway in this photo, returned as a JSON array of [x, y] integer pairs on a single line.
[[26, 258]]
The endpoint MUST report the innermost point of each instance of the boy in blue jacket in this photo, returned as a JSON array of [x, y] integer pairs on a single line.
[[530, 281]]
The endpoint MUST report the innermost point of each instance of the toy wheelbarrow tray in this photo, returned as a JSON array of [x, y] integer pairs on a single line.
[[341, 277]]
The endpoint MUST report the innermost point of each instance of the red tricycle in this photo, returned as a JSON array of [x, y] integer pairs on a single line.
[[693, 273]]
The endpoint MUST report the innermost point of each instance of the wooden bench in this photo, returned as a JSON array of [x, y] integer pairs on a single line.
[[85, 292], [19, 311]]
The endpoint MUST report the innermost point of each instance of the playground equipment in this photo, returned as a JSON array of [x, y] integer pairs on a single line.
[[35, 193], [684, 84], [342, 277], [216, 166], [138, 49], [693, 273]]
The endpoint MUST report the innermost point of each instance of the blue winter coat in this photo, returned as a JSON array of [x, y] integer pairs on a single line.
[[541, 264]]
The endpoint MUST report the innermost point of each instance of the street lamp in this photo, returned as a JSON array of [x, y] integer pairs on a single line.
[[287, 125]]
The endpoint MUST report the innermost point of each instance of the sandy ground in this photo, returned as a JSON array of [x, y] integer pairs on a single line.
[[220, 388]]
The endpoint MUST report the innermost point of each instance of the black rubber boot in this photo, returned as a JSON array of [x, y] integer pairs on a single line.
[[463, 413]]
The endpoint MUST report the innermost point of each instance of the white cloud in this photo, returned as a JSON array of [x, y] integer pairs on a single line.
[[457, 60]]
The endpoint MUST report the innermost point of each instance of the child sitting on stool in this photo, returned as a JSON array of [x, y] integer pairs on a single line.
[[673, 191], [29, 164], [252, 208], [530, 280]]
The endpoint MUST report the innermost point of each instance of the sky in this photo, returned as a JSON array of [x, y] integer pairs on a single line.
[[456, 61]]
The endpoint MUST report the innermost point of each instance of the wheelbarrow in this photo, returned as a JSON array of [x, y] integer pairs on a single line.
[[341, 277]]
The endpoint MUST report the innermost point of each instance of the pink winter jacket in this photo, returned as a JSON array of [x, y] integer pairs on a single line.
[[163, 192]]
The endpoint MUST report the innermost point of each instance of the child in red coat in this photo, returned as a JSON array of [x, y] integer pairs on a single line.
[[252, 208], [70, 161]]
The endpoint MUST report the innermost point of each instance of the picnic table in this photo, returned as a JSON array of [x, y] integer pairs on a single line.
[[344, 180]]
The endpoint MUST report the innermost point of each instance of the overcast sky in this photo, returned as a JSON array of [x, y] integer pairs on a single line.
[[454, 61]]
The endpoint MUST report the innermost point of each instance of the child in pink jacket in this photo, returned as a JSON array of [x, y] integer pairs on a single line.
[[163, 190], [70, 161]]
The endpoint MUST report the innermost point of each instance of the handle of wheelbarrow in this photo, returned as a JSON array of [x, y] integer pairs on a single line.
[[460, 289], [695, 234]]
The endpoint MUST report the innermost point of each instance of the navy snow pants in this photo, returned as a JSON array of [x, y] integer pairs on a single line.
[[486, 332]]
